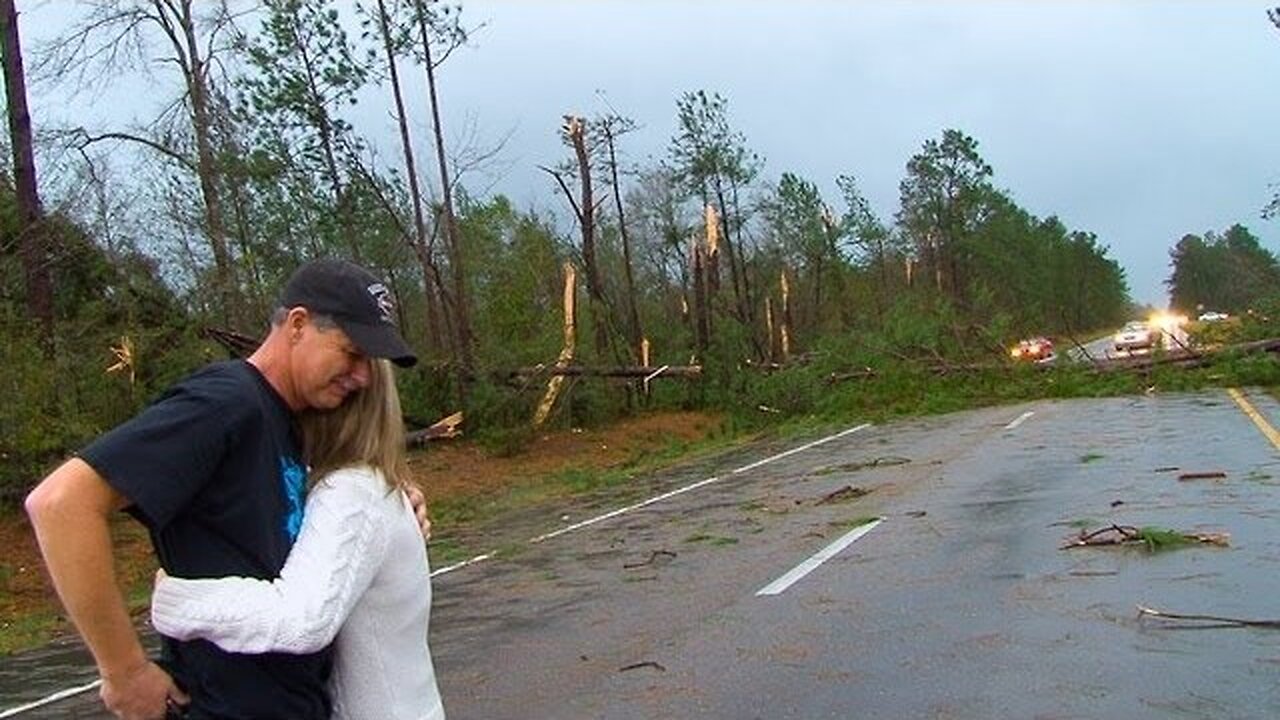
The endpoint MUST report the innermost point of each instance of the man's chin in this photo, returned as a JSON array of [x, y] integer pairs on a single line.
[[330, 400]]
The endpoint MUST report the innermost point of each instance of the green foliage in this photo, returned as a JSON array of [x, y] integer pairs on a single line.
[[1230, 272], [57, 401], [1156, 538], [706, 151], [518, 314]]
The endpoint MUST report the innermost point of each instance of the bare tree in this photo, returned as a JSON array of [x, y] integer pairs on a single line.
[[607, 130], [454, 35], [119, 35], [419, 240]]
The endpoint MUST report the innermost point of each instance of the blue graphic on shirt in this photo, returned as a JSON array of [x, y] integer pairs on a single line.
[[294, 478]]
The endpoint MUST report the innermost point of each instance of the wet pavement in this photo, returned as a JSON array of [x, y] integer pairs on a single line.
[[959, 605], [30, 677]]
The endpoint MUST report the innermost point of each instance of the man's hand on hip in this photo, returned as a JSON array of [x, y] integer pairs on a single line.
[[142, 693]]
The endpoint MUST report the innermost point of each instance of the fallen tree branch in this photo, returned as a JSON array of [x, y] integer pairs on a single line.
[[1144, 611], [652, 373], [445, 428], [1154, 538], [862, 374], [237, 344], [1210, 475]]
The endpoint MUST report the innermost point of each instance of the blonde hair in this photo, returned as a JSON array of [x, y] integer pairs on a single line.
[[367, 429]]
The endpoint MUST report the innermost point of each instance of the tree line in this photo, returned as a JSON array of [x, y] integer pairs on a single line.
[[147, 234], [1222, 272]]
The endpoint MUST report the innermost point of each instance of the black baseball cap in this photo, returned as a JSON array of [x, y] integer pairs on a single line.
[[357, 301]]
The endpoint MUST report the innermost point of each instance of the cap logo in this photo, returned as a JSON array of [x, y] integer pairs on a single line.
[[382, 298]]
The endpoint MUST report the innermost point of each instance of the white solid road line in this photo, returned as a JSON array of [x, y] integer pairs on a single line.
[[623, 510], [460, 565], [60, 695], [694, 486], [781, 584], [802, 448], [1019, 420]]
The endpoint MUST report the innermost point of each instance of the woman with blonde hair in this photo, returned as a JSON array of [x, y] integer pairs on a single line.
[[357, 575]]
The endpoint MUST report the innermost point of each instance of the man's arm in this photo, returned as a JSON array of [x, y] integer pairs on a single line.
[[70, 511]]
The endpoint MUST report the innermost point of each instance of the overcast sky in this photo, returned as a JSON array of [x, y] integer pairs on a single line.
[[1137, 121]]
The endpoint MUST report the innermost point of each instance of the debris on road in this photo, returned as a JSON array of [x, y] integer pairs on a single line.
[[1144, 611], [1153, 538], [645, 664], [1167, 468], [885, 461], [653, 558], [1211, 475], [844, 494]]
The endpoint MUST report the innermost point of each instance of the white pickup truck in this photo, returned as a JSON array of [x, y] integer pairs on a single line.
[[1137, 335]]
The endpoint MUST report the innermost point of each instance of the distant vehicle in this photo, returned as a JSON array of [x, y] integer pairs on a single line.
[[1136, 335], [1035, 349], [1213, 316]]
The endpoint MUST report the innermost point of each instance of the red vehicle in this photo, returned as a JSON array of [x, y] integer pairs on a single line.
[[1036, 349]]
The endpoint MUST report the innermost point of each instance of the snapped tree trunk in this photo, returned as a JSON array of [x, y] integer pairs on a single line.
[[575, 130], [566, 353]]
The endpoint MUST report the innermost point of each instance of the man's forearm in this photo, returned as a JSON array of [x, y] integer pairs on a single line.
[[75, 539]]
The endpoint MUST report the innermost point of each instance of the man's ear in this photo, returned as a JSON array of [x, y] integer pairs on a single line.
[[296, 320]]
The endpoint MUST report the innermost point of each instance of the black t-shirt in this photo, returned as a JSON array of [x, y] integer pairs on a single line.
[[213, 470]]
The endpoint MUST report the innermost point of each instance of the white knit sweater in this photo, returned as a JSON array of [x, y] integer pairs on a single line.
[[358, 571]]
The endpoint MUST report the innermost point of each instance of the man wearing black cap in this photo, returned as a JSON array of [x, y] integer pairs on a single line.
[[213, 469]]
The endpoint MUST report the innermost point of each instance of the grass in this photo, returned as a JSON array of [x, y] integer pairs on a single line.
[[446, 551], [29, 630]]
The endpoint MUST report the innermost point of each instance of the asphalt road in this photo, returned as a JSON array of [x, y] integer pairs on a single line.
[[968, 610], [959, 604], [1103, 348]]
